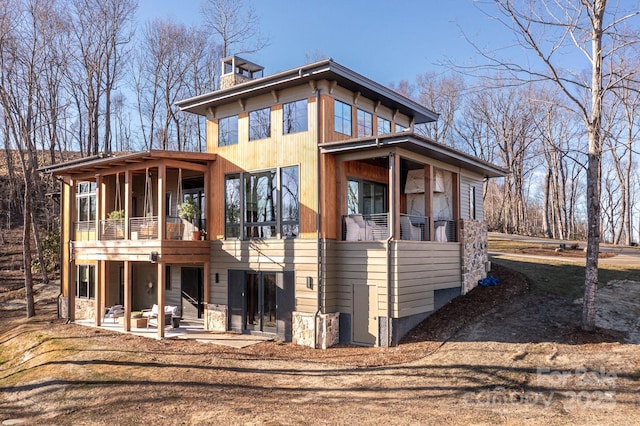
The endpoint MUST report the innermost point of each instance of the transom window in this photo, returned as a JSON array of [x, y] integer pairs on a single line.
[[294, 117], [85, 282], [384, 126], [260, 124], [365, 197], [365, 123], [342, 118], [262, 204], [228, 131]]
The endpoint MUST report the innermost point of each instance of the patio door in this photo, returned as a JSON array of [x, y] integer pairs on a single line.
[[261, 302]]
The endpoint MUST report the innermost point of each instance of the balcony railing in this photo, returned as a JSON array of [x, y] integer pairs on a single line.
[[445, 230], [112, 229], [85, 230], [358, 227], [414, 227], [144, 228]]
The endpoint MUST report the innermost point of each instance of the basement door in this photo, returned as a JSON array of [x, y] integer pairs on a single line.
[[192, 287], [261, 302], [365, 314]]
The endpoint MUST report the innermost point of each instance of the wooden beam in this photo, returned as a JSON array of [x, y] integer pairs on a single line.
[[72, 273], [128, 201]]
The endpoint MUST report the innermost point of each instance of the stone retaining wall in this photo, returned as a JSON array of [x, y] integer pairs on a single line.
[[304, 329], [474, 253], [216, 317], [85, 309]]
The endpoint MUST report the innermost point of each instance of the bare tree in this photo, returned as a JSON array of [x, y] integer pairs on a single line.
[[236, 24], [597, 31], [171, 59], [101, 30], [444, 95]]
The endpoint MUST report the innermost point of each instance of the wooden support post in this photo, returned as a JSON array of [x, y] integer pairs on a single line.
[[127, 295], [162, 190], [428, 200], [99, 292], [455, 202], [394, 181], [128, 201], [73, 273], [206, 283], [100, 198], [161, 299]]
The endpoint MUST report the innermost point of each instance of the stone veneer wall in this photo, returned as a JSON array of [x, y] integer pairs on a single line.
[[85, 309], [474, 253], [304, 328], [215, 317]]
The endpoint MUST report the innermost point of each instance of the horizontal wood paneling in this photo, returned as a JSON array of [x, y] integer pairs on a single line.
[[297, 255], [418, 270]]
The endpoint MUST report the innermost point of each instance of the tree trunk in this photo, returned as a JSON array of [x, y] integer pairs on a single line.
[[26, 249]]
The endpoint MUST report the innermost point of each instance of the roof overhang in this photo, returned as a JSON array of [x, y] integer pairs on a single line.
[[420, 145], [104, 165], [323, 70]]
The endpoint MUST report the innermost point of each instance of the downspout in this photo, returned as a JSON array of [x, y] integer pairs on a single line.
[[392, 171], [318, 226]]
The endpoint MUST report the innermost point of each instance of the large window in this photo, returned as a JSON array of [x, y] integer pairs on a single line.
[[85, 282], [290, 212], [294, 117], [260, 124], [262, 204], [384, 126], [86, 202], [232, 206], [342, 118], [365, 123], [228, 131], [366, 197]]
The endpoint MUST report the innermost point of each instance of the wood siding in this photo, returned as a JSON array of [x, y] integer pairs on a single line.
[[417, 269], [169, 251], [280, 150], [465, 182], [300, 256]]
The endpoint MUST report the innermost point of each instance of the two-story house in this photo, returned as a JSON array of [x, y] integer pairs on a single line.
[[327, 218]]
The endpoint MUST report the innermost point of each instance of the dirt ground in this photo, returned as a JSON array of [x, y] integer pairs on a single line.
[[497, 355]]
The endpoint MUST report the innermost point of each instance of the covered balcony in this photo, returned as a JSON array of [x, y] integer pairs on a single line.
[[142, 204]]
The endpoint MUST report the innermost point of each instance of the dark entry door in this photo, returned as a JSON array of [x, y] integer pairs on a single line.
[[261, 301], [192, 289]]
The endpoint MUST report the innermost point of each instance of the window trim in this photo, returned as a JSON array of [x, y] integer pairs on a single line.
[[229, 131], [242, 224], [340, 121], [294, 125], [259, 127], [361, 123], [91, 284]]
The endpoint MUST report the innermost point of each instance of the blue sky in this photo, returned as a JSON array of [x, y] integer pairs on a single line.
[[384, 40]]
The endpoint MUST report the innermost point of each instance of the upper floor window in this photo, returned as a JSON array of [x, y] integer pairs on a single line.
[[384, 126], [262, 204], [294, 117], [472, 202], [260, 124], [365, 123], [86, 201], [342, 118], [228, 131]]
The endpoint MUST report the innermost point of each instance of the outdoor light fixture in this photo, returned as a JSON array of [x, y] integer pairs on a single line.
[[153, 257], [217, 278], [310, 282]]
